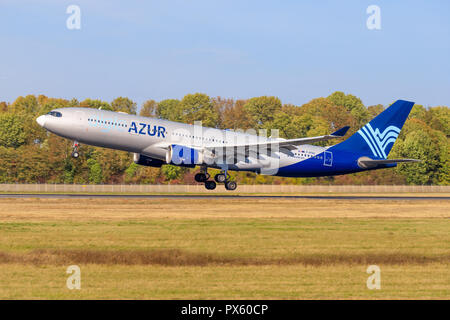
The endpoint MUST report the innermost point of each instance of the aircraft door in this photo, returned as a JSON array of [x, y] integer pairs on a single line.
[[79, 117], [328, 158], [80, 128]]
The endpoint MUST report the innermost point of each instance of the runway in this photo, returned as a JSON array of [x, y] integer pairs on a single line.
[[218, 196]]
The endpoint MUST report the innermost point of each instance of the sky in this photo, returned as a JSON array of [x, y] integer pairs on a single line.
[[295, 50]]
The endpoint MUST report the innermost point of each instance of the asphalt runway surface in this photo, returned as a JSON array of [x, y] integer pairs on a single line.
[[215, 196]]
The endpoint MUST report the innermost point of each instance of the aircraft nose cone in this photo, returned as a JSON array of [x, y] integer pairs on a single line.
[[41, 121]]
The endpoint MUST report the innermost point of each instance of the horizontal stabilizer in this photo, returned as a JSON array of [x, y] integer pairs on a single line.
[[365, 162], [341, 132]]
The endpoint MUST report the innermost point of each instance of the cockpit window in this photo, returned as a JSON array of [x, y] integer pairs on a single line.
[[55, 114]]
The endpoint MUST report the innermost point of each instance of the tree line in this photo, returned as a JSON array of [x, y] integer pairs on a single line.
[[29, 154]]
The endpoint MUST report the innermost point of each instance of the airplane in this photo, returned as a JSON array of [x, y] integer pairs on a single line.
[[156, 142]]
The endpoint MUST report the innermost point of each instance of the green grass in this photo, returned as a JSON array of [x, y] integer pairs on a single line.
[[236, 237], [233, 282], [252, 256]]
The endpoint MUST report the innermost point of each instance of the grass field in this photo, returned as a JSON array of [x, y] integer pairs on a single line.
[[224, 248]]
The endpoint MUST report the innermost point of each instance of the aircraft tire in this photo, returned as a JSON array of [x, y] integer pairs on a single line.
[[210, 185], [200, 177], [220, 178], [230, 185]]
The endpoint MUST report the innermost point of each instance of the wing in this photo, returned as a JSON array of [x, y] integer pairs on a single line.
[[238, 152], [289, 144]]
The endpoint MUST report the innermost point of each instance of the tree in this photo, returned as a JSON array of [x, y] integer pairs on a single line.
[[113, 163], [375, 110], [32, 166], [26, 105], [236, 117], [440, 119], [124, 105], [30, 154], [292, 110], [12, 133], [149, 109], [130, 172], [3, 107], [418, 112], [171, 172], [48, 104], [198, 107], [262, 110], [317, 106], [443, 174], [419, 141], [282, 123], [336, 116], [170, 109], [95, 171], [221, 105], [416, 145], [8, 164], [348, 101], [352, 104], [96, 104]]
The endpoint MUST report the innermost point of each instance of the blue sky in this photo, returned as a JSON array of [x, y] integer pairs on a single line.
[[296, 50]]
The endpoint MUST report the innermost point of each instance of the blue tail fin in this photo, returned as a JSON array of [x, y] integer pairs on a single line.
[[377, 137]]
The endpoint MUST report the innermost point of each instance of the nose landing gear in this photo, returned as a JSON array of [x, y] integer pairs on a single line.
[[75, 153]]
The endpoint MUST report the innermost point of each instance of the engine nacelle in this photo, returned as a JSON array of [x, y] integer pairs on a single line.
[[147, 161], [184, 156]]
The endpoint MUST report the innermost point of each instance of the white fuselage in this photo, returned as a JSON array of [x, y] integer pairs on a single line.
[[151, 137]]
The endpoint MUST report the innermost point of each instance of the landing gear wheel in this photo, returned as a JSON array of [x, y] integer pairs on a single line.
[[210, 185], [201, 177], [230, 185], [75, 153], [220, 178]]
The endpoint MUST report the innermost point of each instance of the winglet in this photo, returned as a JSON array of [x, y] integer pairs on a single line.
[[341, 132]]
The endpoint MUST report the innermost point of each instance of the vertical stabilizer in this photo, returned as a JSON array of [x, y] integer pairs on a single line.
[[376, 138]]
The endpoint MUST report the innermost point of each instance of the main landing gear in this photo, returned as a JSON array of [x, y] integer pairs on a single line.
[[203, 176], [222, 177], [75, 153], [230, 185]]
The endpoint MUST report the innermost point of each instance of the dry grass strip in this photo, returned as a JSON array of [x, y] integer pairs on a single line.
[[176, 257]]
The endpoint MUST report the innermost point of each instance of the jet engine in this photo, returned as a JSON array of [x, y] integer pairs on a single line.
[[147, 161], [184, 156]]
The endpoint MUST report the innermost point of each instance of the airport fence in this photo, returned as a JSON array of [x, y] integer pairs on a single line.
[[159, 188]]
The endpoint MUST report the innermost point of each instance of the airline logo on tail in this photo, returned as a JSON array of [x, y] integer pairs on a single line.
[[377, 141]]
